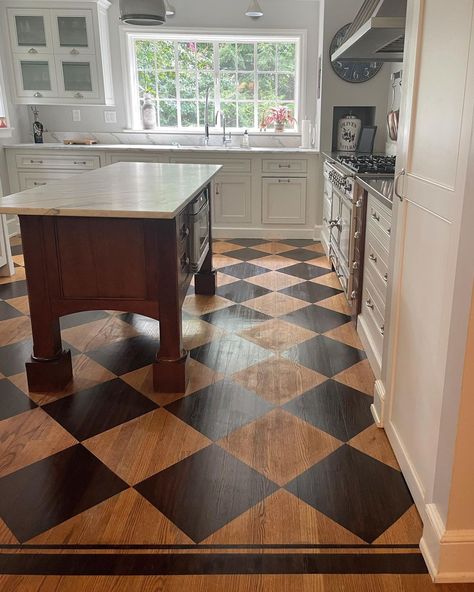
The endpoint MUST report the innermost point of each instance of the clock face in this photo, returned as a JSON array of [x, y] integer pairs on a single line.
[[352, 71]]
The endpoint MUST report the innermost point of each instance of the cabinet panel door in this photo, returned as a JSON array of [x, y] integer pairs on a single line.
[[284, 201], [77, 77], [73, 32], [35, 76], [232, 199], [30, 31]]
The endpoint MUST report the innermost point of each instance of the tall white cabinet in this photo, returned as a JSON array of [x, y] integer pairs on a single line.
[[433, 270], [60, 52]]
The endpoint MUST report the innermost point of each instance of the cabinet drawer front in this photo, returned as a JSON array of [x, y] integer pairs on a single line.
[[284, 201], [134, 157], [35, 179], [376, 256], [234, 165], [379, 221], [285, 166], [373, 316], [48, 161], [379, 284]]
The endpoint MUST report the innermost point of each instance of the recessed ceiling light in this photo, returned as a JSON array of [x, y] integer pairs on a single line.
[[143, 12], [254, 10]]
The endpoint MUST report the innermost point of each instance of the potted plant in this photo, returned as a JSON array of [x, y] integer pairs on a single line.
[[279, 116]]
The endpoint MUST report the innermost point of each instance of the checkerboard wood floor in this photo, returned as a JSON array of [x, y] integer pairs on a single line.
[[269, 464]]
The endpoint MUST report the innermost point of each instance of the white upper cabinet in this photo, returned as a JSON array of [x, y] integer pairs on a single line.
[[61, 56]]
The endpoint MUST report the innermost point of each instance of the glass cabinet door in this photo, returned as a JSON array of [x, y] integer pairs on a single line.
[[77, 78], [73, 32], [35, 76], [30, 31]]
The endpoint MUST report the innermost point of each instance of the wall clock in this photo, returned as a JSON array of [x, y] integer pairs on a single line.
[[352, 71]]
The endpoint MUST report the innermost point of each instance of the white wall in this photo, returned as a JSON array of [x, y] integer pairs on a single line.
[[203, 14], [337, 92]]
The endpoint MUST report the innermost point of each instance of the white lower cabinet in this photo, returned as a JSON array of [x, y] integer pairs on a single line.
[[233, 199], [284, 200]]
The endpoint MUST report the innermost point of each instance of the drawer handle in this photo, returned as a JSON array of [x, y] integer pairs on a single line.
[[284, 166], [357, 234], [74, 51], [36, 183], [218, 192], [369, 304], [37, 95], [389, 230], [184, 232], [78, 95], [184, 261], [385, 278], [373, 258], [376, 217], [80, 162], [32, 50], [359, 203], [36, 161], [355, 265], [284, 180], [382, 330]]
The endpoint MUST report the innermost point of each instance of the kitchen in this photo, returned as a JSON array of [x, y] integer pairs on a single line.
[[318, 432]]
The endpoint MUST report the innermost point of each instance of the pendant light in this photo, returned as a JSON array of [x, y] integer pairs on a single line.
[[254, 10], [146, 13], [170, 9]]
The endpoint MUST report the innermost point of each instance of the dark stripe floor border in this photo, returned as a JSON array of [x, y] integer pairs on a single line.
[[122, 547], [215, 564]]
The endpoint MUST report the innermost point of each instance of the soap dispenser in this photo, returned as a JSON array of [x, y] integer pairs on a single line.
[[245, 140]]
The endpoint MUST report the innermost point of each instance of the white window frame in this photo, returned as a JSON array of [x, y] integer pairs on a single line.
[[128, 36]]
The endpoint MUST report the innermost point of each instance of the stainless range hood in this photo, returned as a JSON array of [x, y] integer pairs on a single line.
[[377, 33]]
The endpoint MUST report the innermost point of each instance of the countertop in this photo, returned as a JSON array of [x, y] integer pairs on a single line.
[[121, 190], [163, 148], [382, 189]]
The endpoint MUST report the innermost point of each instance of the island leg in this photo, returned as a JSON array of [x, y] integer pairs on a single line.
[[50, 368], [169, 369]]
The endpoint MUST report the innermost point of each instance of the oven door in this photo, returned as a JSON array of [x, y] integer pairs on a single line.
[[199, 230]]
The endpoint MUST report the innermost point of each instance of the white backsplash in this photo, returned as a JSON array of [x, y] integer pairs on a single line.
[[264, 140]]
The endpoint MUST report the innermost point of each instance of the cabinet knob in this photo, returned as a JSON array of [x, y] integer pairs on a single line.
[[78, 95], [353, 295], [359, 203], [385, 277], [382, 330], [184, 261], [357, 234], [184, 231], [37, 95], [355, 265], [218, 192], [373, 258], [376, 217], [369, 304], [74, 51], [32, 50]]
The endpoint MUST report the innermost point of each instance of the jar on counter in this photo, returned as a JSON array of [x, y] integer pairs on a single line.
[[348, 132], [149, 112]]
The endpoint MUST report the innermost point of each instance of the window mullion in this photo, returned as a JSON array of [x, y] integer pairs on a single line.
[[178, 86], [217, 80]]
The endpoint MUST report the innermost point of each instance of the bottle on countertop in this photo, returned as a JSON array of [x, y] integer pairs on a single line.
[[148, 113], [245, 140], [38, 127]]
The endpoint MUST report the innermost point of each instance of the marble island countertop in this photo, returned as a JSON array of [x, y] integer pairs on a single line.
[[164, 148], [121, 190]]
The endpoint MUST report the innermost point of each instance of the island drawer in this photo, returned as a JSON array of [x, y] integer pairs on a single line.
[[234, 165], [285, 166], [53, 161]]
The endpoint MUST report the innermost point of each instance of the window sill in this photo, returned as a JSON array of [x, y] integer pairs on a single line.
[[174, 132]]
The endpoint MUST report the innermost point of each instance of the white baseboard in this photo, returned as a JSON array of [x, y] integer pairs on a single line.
[[266, 233], [378, 406], [368, 346]]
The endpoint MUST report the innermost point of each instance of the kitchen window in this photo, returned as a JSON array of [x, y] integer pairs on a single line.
[[243, 76]]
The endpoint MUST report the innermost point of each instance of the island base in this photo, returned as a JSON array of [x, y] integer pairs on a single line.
[[169, 376], [49, 375], [205, 283]]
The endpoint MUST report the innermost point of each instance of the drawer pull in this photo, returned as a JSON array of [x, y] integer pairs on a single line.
[[218, 189], [37, 184], [355, 265], [32, 50], [376, 217], [389, 230], [78, 95], [373, 258], [357, 234], [385, 278], [359, 203], [284, 166], [184, 261], [284, 181], [36, 161], [353, 295], [37, 95], [369, 304], [74, 51], [382, 330], [80, 162]]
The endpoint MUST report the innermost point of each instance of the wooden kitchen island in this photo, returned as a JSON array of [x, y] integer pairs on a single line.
[[117, 238]]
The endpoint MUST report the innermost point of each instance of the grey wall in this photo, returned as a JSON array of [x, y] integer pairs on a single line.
[[203, 14]]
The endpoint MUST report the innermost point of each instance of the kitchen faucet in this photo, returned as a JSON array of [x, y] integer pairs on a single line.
[[206, 118], [225, 140]]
